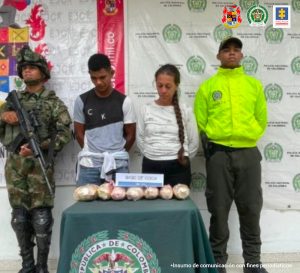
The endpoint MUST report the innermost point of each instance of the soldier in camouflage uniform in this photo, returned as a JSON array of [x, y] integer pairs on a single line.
[[28, 193]]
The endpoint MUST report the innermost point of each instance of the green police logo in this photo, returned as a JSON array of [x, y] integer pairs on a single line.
[[296, 122], [198, 182], [197, 5], [250, 65], [196, 65], [19, 83], [295, 65], [172, 33], [257, 16], [221, 33], [296, 182], [296, 5], [217, 95], [273, 93], [246, 4], [127, 253], [273, 35], [273, 152]]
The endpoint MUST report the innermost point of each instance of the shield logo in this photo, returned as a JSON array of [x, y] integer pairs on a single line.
[[231, 16]]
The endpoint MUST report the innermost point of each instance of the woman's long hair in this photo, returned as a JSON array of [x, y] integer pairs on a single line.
[[173, 71]]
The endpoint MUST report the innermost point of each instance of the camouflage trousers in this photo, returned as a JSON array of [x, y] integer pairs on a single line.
[[26, 184]]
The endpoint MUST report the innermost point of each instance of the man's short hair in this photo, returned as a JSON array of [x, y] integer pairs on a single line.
[[98, 61], [229, 41]]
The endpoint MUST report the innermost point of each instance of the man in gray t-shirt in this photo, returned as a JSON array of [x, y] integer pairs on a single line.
[[104, 124]]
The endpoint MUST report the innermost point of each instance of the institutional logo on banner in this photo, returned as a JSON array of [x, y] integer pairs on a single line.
[[273, 93], [282, 16], [111, 37], [172, 33], [196, 65], [221, 33], [257, 16], [273, 152], [126, 253], [246, 4], [296, 122], [197, 5], [295, 65], [198, 182], [231, 16], [250, 65], [296, 182], [273, 35], [296, 5]]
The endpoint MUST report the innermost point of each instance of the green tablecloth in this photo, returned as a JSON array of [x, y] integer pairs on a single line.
[[162, 235]]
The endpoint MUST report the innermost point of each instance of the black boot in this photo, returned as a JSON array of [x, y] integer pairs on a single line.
[[21, 224], [42, 222]]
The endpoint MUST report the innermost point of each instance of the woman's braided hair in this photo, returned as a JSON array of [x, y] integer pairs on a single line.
[[173, 71]]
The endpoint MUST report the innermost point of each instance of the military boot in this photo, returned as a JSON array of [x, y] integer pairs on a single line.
[[21, 224], [42, 222]]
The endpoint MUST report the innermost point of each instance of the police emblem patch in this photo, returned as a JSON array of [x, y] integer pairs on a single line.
[[217, 95]]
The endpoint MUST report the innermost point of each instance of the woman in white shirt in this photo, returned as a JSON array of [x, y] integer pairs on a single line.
[[167, 133]]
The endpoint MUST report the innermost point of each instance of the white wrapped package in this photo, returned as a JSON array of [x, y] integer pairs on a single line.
[[181, 191], [104, 191], [86, 192], [134, 193], [151, 193], [118, 193], [166, 192]]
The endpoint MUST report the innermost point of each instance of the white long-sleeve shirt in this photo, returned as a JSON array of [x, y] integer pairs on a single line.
[[157, 132]]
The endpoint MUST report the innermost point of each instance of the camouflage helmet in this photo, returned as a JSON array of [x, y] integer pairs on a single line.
[[27, 57]]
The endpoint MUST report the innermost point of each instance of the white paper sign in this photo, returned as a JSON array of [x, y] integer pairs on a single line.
[[139, 180]]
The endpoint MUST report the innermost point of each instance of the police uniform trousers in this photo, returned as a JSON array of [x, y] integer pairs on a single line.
[[235, 175]]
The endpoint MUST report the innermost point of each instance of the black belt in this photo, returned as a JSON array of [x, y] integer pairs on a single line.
[[221, 148]]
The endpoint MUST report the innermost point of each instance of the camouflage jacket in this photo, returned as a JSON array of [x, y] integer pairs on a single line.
[[52, 116]]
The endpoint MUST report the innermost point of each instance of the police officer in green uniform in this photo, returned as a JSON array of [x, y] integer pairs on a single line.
[[231, 113], [29, 196]]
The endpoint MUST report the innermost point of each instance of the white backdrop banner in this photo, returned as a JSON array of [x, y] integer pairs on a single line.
[[186, 33]]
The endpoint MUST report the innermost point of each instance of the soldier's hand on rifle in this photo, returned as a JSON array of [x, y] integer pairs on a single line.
[[25, 150], [10, 117]]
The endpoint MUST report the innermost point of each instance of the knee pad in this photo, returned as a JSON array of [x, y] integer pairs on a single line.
[[42, 221], [20, 220]]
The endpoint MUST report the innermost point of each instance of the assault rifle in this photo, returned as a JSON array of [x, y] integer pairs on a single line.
[[27, 134]]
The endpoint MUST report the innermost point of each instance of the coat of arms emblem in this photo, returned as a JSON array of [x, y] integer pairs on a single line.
[[231, 16]]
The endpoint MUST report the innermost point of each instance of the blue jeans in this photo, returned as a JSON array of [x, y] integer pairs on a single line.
[[91, 175]]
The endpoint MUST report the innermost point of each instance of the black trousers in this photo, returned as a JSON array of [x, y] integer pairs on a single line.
[[174, 172], [235, 176]]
